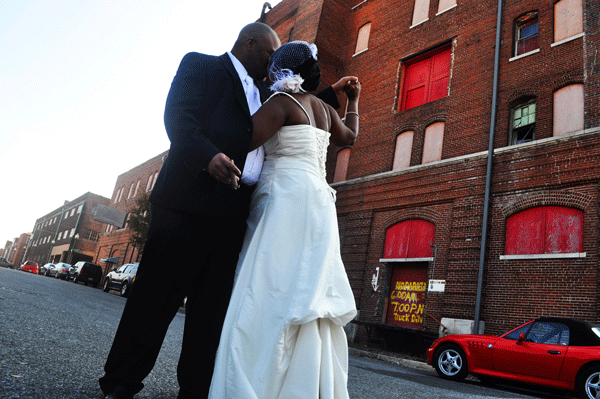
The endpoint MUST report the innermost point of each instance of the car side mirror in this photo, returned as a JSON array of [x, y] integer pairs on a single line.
[[521, 339]]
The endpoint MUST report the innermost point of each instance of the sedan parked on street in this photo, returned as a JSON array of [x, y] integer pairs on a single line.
[[59, 270], [121, 279], [550, 351], [5, 263], [30, 266], [45, 270]]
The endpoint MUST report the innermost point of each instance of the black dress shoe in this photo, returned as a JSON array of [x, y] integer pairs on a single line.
[[119, 393]]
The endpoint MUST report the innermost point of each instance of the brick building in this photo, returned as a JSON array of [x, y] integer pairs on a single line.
[[69, 233], [412, 192], [14, 250], [115, 245]]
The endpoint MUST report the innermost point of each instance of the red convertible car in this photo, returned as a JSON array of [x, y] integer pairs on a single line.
[[550, 351]]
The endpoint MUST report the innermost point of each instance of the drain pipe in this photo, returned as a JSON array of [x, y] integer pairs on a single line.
[[488, 178]]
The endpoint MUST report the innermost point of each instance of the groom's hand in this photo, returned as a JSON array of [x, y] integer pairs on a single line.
[[222, 169]]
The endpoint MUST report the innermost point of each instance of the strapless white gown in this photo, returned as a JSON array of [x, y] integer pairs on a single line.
[[283, 334]]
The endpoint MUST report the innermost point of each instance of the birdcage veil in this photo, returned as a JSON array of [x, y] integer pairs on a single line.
[[285, 61]]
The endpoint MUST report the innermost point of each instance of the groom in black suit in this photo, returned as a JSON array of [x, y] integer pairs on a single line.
[[198, 219]]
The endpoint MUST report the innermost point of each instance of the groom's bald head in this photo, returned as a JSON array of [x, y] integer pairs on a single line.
[[254, 46]]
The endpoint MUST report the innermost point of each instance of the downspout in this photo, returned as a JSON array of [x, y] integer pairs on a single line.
[[488, 178]]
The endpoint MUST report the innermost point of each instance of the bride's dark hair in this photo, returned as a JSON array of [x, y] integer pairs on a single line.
[[294, 68]]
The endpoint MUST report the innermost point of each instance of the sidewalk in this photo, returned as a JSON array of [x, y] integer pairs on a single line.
[[390, 357]]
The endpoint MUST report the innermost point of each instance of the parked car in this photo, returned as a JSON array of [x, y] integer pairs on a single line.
[[30, 266], [86, 272], [59, 270], [5, 263], [45, 270], [550, 351], [121, 279]]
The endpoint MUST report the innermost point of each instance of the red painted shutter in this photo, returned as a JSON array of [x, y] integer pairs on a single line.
[[546, 229], [416, 84], [427, 79], [421, 238], [564, 230], [409, 239], [440, 74], [525, 232], [396, 241]]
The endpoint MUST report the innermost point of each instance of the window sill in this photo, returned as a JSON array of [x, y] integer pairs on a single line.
[[568, 39], [518, 57], [358, 5], [419, 23], [360, 52], [544, 256], [447, 9], [398, 260]]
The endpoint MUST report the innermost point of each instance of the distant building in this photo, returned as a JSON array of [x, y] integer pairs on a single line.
[[15, 249], [115, 245], [412, 191], [69, 233]]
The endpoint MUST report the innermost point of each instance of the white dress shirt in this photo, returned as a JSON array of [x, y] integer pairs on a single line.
[[254, 160]]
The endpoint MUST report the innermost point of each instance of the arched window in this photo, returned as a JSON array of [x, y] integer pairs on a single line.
[[545, 230], [568, 110], [434, 141], [362, 41], [341, 165], [404, 143]]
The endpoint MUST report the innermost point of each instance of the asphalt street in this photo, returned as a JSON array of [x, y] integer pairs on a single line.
[[55, 335]]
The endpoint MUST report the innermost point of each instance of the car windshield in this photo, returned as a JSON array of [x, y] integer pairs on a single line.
[[596, 330]]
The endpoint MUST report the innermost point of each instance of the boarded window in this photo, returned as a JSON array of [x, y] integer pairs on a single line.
[[445, 5], [409, 239], [568, 110], [403, 150], [526, 33], [545, 230], [568, 19], [426, 78], [341, 165], [362, 41], [434, 140], [421, 12]]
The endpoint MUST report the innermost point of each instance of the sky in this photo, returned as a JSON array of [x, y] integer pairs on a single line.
[[83, 85]]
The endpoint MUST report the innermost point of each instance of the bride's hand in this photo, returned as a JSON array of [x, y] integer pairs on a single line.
[[352, 90]]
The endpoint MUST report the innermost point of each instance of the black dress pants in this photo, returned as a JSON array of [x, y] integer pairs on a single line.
[[184, 255]]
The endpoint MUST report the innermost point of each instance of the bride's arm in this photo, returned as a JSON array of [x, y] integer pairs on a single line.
[[345, 133], [271, 116]]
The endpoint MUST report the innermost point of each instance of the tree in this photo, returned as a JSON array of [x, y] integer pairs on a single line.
[[139, 221]]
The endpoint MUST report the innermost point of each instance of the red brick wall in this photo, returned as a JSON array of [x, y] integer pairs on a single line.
[[450, 193]]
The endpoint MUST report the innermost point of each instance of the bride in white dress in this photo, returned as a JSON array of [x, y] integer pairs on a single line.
[[283, 334]]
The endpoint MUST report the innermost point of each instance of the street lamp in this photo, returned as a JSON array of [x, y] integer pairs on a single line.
[[73, 242]]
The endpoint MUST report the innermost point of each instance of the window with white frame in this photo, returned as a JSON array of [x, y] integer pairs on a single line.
[[526, 33]]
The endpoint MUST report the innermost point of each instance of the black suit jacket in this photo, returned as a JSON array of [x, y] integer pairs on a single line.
[[207, 113]]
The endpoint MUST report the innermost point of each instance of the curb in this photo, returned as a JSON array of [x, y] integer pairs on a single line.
[[391, 359]]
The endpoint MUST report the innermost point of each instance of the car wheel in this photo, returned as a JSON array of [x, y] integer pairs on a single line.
[[106, 286], [56, 275], [75, 279], [125, 289], [46, 273], [450, 363], [588, 383]]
